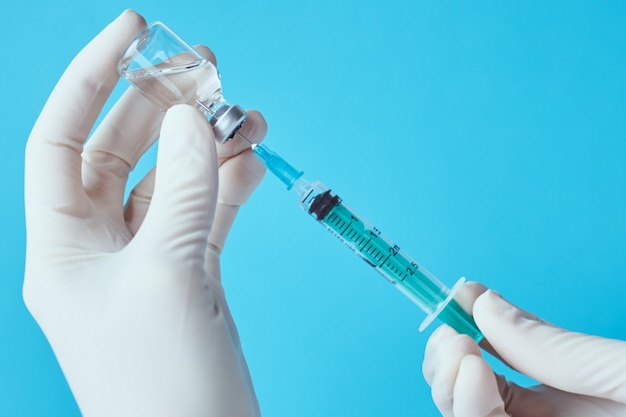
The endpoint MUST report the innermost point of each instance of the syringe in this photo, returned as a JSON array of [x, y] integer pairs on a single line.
[[372, 246]]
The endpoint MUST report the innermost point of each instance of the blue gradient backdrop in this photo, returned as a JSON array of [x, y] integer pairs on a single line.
[[488, 139]]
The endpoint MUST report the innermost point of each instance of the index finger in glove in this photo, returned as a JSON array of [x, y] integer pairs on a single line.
[[239, 175], [240, 170], [53, 154], [569, 361]]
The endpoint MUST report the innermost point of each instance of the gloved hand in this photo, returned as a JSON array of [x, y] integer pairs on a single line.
[[130, 297], [582, 375]]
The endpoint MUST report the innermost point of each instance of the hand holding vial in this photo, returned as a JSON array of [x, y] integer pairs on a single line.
[[129, 294]]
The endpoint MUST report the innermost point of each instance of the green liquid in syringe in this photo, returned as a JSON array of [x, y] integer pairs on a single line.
[[388, 259]]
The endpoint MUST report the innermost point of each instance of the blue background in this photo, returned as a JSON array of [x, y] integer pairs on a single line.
[[486, 139]]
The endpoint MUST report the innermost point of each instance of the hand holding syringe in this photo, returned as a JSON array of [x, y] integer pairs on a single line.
[[169, 71]]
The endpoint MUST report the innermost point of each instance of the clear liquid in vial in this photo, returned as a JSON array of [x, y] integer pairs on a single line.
[[178, 82]]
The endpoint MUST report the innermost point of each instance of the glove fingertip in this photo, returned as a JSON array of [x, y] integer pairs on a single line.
[[476, 390], [182, 118], [491, 309], [490, 306]]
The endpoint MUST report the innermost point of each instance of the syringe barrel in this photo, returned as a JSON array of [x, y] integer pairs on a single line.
[[387, 258]]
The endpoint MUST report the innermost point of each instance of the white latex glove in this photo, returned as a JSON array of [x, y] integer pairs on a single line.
[[130, 297], [582, 375]]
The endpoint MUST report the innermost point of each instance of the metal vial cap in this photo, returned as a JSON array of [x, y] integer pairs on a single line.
[[226, 120]]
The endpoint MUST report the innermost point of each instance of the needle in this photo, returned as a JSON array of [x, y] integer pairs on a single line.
[[245, 138]]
